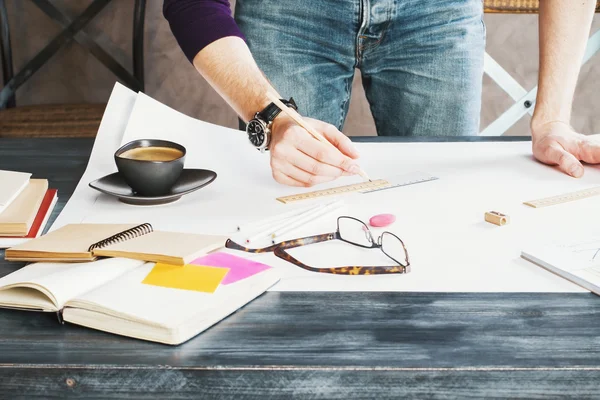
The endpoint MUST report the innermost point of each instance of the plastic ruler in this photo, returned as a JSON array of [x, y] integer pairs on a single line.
[[363, 187]]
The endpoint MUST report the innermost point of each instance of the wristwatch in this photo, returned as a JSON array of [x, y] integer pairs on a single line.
[[259, 127]]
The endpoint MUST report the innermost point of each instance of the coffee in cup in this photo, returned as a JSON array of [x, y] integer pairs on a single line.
[[150, 166], [153, 153]]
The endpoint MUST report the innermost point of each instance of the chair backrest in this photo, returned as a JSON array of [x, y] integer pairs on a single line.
[[73, 29], [516, 6]]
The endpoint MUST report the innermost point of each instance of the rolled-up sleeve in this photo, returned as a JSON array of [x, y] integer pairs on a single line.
[[197, 23]]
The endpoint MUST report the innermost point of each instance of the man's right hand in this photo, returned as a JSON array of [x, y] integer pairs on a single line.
[[299, 159]]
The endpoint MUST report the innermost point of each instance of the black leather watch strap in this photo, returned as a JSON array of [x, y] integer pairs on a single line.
[[269, 113]]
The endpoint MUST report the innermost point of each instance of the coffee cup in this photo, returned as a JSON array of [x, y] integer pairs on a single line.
[[150, 166]]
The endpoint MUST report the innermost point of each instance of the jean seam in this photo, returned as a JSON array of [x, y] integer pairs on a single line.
[[345, 102], [483, 29], [374, 45], [482, 21], [390, 18], [363, 23]]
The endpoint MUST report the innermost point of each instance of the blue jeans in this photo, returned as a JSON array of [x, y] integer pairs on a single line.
[[421, 61]]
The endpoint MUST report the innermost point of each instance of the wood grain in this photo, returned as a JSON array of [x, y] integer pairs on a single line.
[[308, 346], [51, 120], [306, 384]]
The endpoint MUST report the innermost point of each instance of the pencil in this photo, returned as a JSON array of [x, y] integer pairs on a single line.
[[266, 232], [271, 220], [309, 217], [296, 117]]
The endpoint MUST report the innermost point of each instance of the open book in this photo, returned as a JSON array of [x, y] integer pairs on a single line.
[[577, 260], [87, 242], [109, 295]]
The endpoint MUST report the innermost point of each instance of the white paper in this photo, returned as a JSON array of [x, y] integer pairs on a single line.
[[451, 247], [575, 258], [101, 163]]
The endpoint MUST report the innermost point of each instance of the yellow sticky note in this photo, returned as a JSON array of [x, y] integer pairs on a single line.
[[187, 277]]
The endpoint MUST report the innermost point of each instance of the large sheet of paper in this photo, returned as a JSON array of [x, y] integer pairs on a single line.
[[451, 247], [110, 132]]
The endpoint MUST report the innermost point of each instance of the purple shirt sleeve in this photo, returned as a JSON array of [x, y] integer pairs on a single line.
[[197, 23]]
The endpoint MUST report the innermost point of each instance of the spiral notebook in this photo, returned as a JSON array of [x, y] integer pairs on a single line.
[[87, 242]]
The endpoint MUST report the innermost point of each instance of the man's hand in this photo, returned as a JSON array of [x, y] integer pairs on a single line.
[[556, 143], [299, 159], [563, 31]]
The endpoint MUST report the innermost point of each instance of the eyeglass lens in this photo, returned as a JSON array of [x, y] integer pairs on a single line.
[[393, 247], [354, 231]]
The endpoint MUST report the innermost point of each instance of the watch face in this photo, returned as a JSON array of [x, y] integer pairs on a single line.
[[256, 133]]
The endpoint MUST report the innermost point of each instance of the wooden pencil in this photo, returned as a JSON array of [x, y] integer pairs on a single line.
[[300, 121]]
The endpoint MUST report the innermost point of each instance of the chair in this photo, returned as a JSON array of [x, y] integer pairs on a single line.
[[524, 100], [63, 120]]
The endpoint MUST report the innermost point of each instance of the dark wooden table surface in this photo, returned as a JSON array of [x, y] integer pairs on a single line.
[[307, 345]]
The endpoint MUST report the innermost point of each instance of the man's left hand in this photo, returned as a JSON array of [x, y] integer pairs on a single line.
[[557, 143]]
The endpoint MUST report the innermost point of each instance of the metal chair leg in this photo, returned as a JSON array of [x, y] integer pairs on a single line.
[[86, 41], [47, 52], [138, 42], [7, 64]]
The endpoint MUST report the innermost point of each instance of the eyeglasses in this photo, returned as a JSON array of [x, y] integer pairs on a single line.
[[349, 230]]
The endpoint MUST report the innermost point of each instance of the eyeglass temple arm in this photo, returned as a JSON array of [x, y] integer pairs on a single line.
[[288, 244], [348, 270], [230, 244]]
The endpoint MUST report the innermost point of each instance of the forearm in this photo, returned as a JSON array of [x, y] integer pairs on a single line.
[[563, 31], [228, 66]]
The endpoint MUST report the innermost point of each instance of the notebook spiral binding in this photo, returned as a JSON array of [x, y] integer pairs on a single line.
[[123, 236]]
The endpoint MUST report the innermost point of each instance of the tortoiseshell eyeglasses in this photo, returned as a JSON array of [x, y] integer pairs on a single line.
[[349, 230]]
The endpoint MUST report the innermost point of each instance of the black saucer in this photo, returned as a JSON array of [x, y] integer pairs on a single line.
[[189, 181]]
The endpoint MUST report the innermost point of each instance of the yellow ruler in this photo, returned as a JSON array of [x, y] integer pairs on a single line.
[[356, 187], [363, 187], [563, 198]]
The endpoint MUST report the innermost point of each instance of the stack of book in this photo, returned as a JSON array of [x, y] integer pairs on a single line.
[[25, 206]]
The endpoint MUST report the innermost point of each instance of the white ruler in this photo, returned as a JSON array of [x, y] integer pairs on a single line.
[[402, 180]]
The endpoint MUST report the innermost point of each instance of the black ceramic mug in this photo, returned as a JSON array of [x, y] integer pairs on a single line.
[[150, 166]]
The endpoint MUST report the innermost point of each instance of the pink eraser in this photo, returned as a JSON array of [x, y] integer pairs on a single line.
[[382, 220]]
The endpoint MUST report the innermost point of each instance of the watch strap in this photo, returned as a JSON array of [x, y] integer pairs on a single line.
[[271, 111]]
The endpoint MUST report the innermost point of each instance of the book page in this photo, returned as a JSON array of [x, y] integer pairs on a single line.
[[11, 184], [19, 215], [65, 281], [131, 299]]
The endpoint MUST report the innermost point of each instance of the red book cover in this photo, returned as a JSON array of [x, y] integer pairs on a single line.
[[40, 217]]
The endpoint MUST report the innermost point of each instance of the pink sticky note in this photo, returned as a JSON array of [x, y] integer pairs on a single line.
[[239, 268]]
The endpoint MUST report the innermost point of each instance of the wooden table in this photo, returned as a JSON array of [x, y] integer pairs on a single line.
[[307, 345]]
